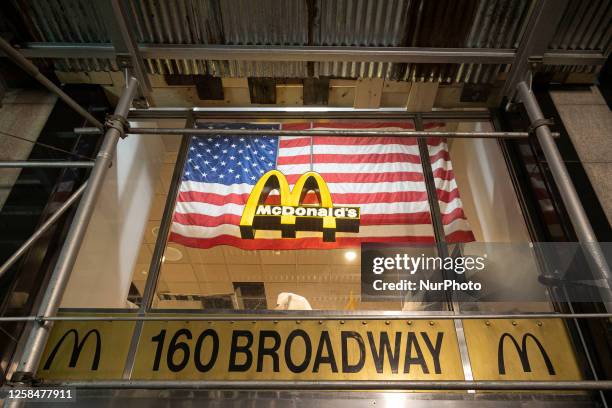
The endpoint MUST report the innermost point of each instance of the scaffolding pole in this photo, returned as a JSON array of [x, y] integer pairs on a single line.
[[316, 132], [37, 338], [234, 317], [41, 230], [570, 197], [45, 164], [336, 385]]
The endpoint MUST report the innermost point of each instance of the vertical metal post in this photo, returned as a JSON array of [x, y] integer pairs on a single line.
[[116, 15], [432, 198], [160, 247], [442, 246], [542, 22], [570, 198], [52, 298]]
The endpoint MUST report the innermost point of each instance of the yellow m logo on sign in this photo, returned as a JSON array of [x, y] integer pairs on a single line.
[[292, 215]]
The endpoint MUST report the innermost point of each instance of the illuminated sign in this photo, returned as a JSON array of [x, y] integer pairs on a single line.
[[521, 349], [311, 350], [77, 347], [86, 350], [292, 215]]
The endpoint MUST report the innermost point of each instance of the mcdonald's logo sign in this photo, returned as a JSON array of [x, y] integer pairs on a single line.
[[522, 352], [292, 215], [77, 347]]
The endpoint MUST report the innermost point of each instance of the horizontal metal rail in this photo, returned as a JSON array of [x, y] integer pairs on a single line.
[[338, 385], [309, 53], [256, 132], [302, 112], [41, 230], [284, 317], [46, 164]]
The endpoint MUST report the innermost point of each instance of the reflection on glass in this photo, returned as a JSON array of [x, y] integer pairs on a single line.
[[487, 207]]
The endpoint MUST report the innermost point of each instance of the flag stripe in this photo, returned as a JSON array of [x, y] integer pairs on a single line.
[[334, 188], [381, 175], [339, 199], [367, 219], [368, 208], [358, 158]]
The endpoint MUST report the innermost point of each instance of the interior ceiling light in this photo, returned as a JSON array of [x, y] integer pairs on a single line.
[[173, 254], [350, 255]]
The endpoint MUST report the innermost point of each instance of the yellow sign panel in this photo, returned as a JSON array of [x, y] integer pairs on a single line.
[[291, 216], [311, 350], [86, 350], [523, 349]]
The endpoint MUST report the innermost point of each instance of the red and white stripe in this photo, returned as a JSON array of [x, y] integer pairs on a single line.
[[380, 175]]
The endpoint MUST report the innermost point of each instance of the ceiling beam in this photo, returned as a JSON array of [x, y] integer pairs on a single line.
[[540, 28], [306, 53], [124, 44]]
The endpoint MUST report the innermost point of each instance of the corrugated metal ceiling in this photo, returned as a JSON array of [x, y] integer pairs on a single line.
[[413, 23]]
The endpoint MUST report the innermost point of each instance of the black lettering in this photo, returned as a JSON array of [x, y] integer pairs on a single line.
[[385, 346], [246, 350], [77, 347], [298, 368], [268, 351], [324, 340], [413, 342], [213, 355], [352, 368], [175, 345], [522, 352], [159, 339], [434, 350]]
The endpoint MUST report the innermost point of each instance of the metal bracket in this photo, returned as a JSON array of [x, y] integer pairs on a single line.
[[23, 378], [539, 122], [536, 64], [117, 122], [124, 61]]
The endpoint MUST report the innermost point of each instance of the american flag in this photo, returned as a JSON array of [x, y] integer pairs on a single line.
[[381, 175]]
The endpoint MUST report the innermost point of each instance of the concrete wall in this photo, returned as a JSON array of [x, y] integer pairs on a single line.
[[24, 114], [588, 121], [103, 272]]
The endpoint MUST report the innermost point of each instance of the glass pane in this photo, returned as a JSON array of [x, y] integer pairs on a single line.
[[114, 259], [486, 217], [210, 264]]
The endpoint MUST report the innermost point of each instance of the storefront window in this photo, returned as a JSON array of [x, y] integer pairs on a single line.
[[210, 264]]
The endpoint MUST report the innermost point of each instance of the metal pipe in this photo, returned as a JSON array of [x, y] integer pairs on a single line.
[[61, 274], [45, 164], [247, 132], [42, 229], [570, 197], [299, 317], [338, 385], [31, 69], [311, 53], [343, 132], [302, 112], [155, 266]]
